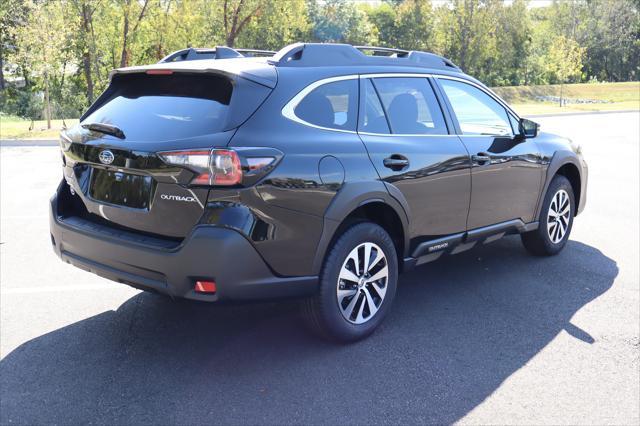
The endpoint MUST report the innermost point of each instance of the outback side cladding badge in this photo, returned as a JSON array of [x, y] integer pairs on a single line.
[[437, 247], [106, 157]]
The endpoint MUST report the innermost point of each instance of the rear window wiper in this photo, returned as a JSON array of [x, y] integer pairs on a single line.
[[105, 128]]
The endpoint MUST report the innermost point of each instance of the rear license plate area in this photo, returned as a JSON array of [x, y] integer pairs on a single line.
[[122, 189]]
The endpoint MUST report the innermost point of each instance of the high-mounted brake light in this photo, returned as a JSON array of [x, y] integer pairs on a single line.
[[159, 72], [215, 167]]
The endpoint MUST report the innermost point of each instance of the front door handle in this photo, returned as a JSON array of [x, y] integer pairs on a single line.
[[481, 158], [396, 162]]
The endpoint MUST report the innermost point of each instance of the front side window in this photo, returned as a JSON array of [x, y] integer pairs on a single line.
[[411, 106], [515, 124], [331, 105], [477, 112]]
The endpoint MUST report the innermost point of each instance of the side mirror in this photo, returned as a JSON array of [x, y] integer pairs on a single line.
[[528, 128]]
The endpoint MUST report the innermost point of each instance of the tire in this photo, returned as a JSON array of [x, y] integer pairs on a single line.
[[332, 312], [552, 234]]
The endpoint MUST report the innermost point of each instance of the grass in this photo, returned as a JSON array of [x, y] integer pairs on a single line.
[[12, 127], [619, 96]]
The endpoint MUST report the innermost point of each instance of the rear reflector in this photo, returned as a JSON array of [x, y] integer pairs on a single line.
[[205, 287]]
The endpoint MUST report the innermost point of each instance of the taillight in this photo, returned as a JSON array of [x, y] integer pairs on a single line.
[[213, 167]]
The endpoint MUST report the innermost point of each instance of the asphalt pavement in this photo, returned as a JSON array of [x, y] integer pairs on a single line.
[[489, 336]]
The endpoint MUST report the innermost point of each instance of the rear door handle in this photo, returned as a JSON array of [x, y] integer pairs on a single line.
[[396, 162], [481, 158]]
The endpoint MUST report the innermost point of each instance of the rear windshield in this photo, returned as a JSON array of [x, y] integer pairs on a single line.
[[166, 107]]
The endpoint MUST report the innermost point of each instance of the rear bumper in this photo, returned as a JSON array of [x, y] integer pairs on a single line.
[[208, 253]]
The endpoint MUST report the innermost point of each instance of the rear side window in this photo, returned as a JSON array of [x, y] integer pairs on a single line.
[[331, 105], [411, 106], [373, 119], [176, 106]]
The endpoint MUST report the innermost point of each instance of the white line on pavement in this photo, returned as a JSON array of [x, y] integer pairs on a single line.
[[62, 288]]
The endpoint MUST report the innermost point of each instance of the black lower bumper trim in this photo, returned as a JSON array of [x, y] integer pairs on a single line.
[[211, 253]]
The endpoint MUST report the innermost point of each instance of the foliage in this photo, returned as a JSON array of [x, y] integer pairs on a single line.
[[66, 48], [340, 21], [564, 60], [279, 23]]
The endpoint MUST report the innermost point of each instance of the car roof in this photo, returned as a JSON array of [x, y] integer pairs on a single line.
[[261, 66]]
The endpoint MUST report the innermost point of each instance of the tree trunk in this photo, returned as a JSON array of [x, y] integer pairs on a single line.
[[46, 99], [1, 72], [231, 39], [561, 92], [236, 27], [86, 55], [86, 65], [124, 57], [465, 23]]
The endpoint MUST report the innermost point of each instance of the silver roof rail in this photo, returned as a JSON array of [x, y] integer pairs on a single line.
[[333, 54], [219, 52]]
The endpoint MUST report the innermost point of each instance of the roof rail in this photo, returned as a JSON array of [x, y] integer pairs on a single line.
[[386, 51], [333, 54], [219, 52], [255, 52]]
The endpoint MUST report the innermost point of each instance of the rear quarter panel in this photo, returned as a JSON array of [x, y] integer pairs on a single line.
[[295, 192]]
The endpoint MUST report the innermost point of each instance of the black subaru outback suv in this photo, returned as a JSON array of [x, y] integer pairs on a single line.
[[320, 171]]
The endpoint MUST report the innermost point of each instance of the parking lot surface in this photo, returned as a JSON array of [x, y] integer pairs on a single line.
[[492, 335]]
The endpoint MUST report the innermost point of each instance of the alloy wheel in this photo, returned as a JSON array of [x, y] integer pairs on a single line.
[[362, 283], [558, 216]]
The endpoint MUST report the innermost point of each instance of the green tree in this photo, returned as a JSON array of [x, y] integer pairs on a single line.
[[564, 61], [13, 15], [415, 25], [236, 14], [340, 21], [43, 46], [407, 24], [611, 38], [85, 43], [279, 24], [383, 18], [178, 24], [132, 15], [513, 44], [466, 33]]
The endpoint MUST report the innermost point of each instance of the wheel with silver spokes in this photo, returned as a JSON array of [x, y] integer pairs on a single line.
[[362, 283], [558, 216], [555, 221], [357, 284]]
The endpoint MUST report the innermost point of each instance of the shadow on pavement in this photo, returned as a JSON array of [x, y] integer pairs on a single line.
[[459, 328]]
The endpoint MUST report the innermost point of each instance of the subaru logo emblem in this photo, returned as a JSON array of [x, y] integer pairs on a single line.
[[106, 157]]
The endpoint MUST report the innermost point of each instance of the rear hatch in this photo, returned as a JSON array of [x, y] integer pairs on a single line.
[[112, 160]]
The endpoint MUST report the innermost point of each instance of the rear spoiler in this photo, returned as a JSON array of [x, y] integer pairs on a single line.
[[256, 70]]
